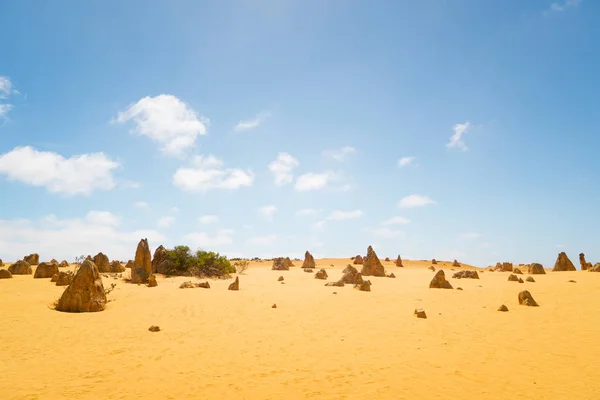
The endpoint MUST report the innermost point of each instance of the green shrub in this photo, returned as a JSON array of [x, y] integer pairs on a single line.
[[181, 261]]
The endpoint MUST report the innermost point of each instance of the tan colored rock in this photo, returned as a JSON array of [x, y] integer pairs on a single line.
[[507, 267], [309, 261], [1, 263], [563, 263], [455, 263], [154, 328], [101, 261], [279, 264], [54, 278], [371, 264], [116, 267], [439, 281], [517, 271], [339, 283], [432, 268], [526, 299], [21, 267], [513, 278], [349, 275], [364, 286], [280, 279], [530, 279], [358, 279], [358, 260], [420, 313], [142, 265], [86, 291], [584, 265], [398, 262], [321, 274], [595, 268], [63, 264], [503, 308], [387, 259], [536, 269], [64, 278], [466, 275], [288, 262], [152, 281], [433, 261], [235, 285], [45, 270], [390, 275], [160, 262], [129, 264], [5, 274], [32, 259]]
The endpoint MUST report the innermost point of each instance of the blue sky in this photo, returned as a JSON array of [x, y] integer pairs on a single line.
[[460, 129]]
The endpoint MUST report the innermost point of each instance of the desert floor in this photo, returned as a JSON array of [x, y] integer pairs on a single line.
[[221, 344]]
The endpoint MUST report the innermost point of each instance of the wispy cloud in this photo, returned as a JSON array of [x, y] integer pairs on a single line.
[[6, 91], [252, 122], [282, 168], [208, 219], [141, 205], [165, 222], [406, 161], [471, 235], [339, 154], [203, 240], [307, 212], [395, 221], [561, 7], [339, 215], [268, 211], [385, 232], [262, 240], [456, 140], [415, 200], [314, 181], [207, 173]]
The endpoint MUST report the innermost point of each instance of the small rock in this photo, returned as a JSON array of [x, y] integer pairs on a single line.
[[530, 279], [280, 279], [420, 313], [152, 281], [363, 287], [439, 281], [526, 299], [321, 274], [459, 288], [274, 306], [235, 285], [513, 278], [503, 308], [572, 281], [334, 292], [54, 278], [517, 271], [154, 328], [5, 274], [432, 268], [391, 275]]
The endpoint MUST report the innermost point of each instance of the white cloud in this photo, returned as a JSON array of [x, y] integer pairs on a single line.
[[141, 205], [405, 161], [395, 221], [102, 218], [4, 109], [5, 87], [314, 181], [282, 168], [268, 211], [130, 185], [77, 175], [174, 209], [204, 241], [471, 235], [415, 200], [339, 154], [166, 120], [338, 215], [208, 219], [52, 237], [307, 212], [386, 233], [558, 7], [208, 173], [262, 240], [165, 222], [252, 122], [456, 140]]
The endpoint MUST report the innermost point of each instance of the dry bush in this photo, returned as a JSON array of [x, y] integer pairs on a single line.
[[241, 266]]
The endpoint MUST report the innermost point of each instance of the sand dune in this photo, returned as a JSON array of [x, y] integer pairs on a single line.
[[216, 343]]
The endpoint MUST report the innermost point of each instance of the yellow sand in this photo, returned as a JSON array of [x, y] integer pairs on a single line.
[[219, 344]]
